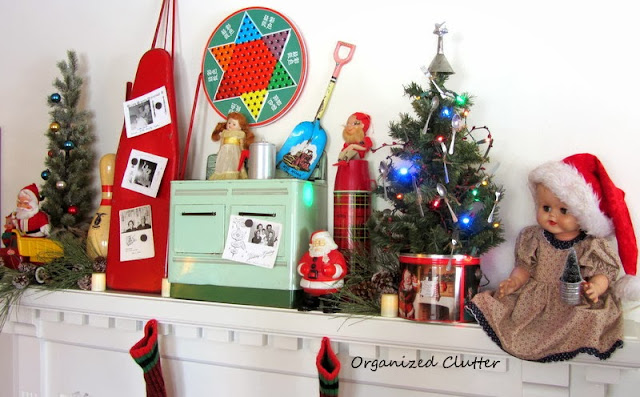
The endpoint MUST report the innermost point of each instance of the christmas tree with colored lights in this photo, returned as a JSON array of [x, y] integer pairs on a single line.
[[436, 192], [437, 180], [68, 176]]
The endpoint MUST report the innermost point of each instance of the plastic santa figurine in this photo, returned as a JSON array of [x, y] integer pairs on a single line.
[[356, 142], [577, 208], [28, 219], [322, 269]]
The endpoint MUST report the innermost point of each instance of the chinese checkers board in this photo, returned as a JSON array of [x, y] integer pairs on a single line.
[[255, 63]]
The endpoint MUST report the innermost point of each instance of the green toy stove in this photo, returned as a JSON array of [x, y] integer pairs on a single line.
[[199, 224]]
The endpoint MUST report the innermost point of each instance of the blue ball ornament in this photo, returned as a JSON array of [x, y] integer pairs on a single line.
[[55, 97], [45, 174], [68, 145]]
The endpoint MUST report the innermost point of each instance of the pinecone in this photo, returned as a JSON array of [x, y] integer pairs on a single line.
[[100, 264], [20, 281], [26, 267], [383, 282], [84, 283], [365, 290]]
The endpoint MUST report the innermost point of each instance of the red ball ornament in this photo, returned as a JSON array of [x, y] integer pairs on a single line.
[[72, 209], [50, 153]]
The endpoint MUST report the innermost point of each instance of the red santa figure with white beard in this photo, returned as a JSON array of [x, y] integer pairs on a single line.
[[28, 219], [322, 269]]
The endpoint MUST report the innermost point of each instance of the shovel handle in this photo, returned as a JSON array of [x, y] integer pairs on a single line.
[[340, 62]]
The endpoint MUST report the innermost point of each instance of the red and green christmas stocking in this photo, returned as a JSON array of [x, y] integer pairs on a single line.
[[145, 353], [328, 369]]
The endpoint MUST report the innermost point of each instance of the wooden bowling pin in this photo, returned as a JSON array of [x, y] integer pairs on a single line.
[[98, 236]]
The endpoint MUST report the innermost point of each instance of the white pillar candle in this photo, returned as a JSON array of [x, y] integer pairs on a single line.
[[98, 282], [166, 288], [389, 305]]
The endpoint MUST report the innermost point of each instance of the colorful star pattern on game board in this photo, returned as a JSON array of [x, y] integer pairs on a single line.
[[252, 66]]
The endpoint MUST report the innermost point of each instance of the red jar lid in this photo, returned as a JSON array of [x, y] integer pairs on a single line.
[[435, 260]]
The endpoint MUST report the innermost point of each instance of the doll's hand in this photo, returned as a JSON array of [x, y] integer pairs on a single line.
[[596, 286], [507, 287], [591, 291]]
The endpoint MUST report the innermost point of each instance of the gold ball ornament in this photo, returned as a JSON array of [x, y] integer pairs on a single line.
[[54, 127], [60, 185]]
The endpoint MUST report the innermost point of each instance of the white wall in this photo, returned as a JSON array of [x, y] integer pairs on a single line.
[[551, 78]]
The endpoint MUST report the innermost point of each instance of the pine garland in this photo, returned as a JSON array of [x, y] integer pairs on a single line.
[[72, 271], [371, 273]]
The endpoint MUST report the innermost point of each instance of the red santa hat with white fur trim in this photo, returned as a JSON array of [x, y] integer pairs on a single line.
[[582, 183], [32, 192]]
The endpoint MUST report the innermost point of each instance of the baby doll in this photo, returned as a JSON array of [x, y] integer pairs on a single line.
[[577, 206], [236, 138], [356, 143]]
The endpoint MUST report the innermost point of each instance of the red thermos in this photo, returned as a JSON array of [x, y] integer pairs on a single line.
[[352, 204]]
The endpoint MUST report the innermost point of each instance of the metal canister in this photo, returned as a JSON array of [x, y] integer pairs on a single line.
[[429, 292], [262, 160]]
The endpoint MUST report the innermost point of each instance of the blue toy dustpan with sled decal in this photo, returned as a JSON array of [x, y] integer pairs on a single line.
[[300, 153]]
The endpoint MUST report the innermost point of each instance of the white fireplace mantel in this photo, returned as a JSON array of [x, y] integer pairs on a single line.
[[68, 342]]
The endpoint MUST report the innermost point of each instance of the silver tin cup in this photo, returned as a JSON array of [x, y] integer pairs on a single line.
[[571, 292], [262, 160]]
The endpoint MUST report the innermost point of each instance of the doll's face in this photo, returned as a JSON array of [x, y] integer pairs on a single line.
[[554, 216], [354, 130], [233, 124]]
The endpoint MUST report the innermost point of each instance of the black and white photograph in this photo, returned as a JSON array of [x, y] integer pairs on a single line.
[[252, 241], [136, 233], [264, 234], [140, 115], [144, 173], [147, 112], [133, 219]]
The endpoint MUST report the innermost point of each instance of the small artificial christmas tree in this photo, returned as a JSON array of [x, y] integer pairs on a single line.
[[571, 273], [571, 280], [441, 199], [70, 158]]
